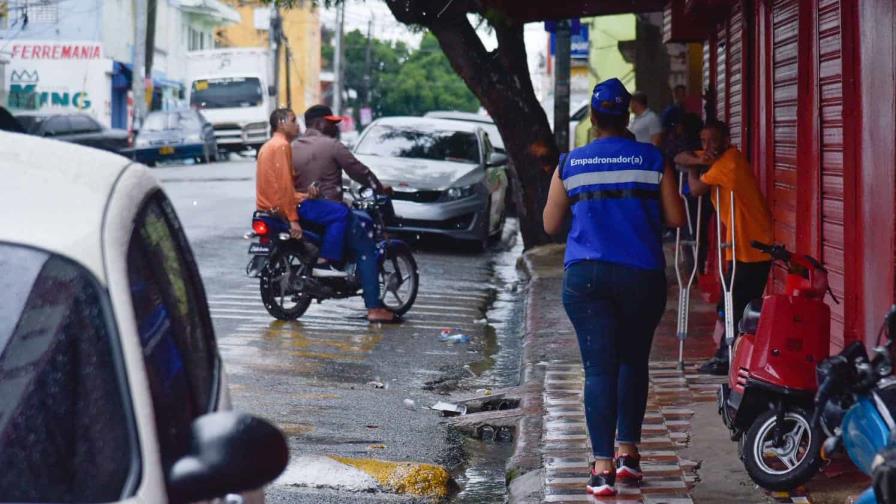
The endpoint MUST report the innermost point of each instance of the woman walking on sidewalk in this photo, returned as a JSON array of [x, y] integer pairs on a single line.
[[614, 289]]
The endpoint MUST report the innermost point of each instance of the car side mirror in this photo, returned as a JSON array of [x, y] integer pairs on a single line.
[[272, 90], [496, 159], [229, 452]]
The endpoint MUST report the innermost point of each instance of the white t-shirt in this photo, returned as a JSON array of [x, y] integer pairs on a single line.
[[645, 126]]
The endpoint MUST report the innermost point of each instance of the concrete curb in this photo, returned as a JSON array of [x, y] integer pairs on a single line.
[[525, 469]]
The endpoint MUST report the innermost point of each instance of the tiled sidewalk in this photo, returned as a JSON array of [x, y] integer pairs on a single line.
[[667, 477]]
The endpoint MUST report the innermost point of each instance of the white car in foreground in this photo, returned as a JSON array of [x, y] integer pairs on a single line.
[[111, 385]]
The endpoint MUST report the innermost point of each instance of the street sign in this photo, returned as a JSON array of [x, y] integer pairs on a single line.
[[579, 43], [575, 25]]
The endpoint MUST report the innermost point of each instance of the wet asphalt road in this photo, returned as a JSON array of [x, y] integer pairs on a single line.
[[311, 377]]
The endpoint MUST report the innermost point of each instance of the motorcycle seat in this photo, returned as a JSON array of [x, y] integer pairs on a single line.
[[750, 321]]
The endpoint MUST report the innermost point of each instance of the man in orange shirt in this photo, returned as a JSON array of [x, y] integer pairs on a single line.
[[730, 171], [273, 177]]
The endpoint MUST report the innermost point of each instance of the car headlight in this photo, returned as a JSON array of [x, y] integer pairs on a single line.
[[194, 137], [141, 142], [456, 193]]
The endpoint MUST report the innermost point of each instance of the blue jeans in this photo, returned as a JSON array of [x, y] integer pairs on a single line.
[[615, 310], [362, 245], [334, 217]]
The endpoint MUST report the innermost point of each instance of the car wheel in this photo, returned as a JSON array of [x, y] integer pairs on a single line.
[[481, 244], [150, 163]]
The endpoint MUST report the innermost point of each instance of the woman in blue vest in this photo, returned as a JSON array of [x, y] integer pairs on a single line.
[[621, 192]]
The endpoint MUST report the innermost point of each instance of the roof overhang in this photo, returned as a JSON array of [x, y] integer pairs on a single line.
[[214, 10], [539, 10]]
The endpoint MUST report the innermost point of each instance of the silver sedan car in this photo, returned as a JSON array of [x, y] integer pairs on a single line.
[[448, 178]]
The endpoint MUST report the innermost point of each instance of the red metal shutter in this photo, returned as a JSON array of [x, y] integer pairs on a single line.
[[830, 98], [721, 50], [735, 84], [784, 55]]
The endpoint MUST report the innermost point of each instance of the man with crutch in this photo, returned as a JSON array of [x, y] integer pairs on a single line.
[[730, 177]]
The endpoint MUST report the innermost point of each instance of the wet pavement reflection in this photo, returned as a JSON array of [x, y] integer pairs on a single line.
[[337, 385]]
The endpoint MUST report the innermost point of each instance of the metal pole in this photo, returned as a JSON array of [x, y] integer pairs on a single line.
[[274, 38], [138, 85], [337, 60], [561, 86]]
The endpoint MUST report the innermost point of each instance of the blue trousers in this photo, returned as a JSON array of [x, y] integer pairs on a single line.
[[334, 217], [615, 310], [362, 246]]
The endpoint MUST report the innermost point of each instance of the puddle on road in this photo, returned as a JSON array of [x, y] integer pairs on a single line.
[[484, 479]]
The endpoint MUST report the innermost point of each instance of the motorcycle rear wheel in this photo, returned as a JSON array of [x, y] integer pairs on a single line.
[[789, 465], [399, 280], [279, 298]]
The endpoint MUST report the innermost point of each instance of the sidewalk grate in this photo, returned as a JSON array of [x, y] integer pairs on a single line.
[[667, 477]]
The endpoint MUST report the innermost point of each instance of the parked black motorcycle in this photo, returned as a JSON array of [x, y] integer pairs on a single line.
[[285, 266]]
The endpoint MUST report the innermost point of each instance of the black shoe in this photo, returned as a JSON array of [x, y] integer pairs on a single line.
[[628, 467], [714, 366], [603, 484]]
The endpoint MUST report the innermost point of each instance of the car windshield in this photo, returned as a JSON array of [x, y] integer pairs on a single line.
[[226, 92], [30, 122], [160, 121], [441, 145]]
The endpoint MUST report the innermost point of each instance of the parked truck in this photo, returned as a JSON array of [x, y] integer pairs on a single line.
[[234, 90]]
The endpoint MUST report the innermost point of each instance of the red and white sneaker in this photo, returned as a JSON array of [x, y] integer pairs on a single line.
[[628, 467], [603, 484]]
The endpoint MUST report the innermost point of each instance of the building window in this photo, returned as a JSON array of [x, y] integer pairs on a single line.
[[12, 12], [198, 40]]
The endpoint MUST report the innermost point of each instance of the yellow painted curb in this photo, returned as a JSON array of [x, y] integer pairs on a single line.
[[425, 480]]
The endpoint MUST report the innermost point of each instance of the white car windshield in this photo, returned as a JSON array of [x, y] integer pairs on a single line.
[[440, 145]]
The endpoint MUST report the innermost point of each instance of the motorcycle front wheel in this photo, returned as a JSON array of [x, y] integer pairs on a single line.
[[786, 464], [399, 280], [278, 296]]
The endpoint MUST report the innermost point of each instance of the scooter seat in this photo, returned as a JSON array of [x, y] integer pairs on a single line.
[[750, 321]]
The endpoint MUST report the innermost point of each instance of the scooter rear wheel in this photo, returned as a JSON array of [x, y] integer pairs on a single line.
[[789, 464]]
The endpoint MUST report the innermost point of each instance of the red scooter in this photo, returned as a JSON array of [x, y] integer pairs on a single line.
[[768, 400]]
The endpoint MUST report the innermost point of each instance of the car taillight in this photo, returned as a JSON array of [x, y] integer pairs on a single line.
[[260, 227]]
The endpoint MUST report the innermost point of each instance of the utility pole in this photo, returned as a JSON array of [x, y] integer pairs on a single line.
[[138, 84], [337, 60], [286, 69], [367, 63], [274, 36], [561, 85], [150, 38]]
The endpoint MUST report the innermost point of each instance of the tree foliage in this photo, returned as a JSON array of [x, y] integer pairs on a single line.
[[403, 80]]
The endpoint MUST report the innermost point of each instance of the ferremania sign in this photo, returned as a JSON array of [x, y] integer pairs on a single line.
[[59, 76]]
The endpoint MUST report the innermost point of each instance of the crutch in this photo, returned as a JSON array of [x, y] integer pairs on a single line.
[[684, 288], [727, 287]]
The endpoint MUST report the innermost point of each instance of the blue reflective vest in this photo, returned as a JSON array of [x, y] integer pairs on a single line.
[[614, 189]]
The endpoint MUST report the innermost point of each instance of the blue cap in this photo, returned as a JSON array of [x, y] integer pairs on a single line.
[[610, 97]]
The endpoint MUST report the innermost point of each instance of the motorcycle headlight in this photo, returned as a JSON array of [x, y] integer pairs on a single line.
[[456, 193]]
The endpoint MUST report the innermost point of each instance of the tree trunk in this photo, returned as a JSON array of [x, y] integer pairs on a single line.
[[500, 79]]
